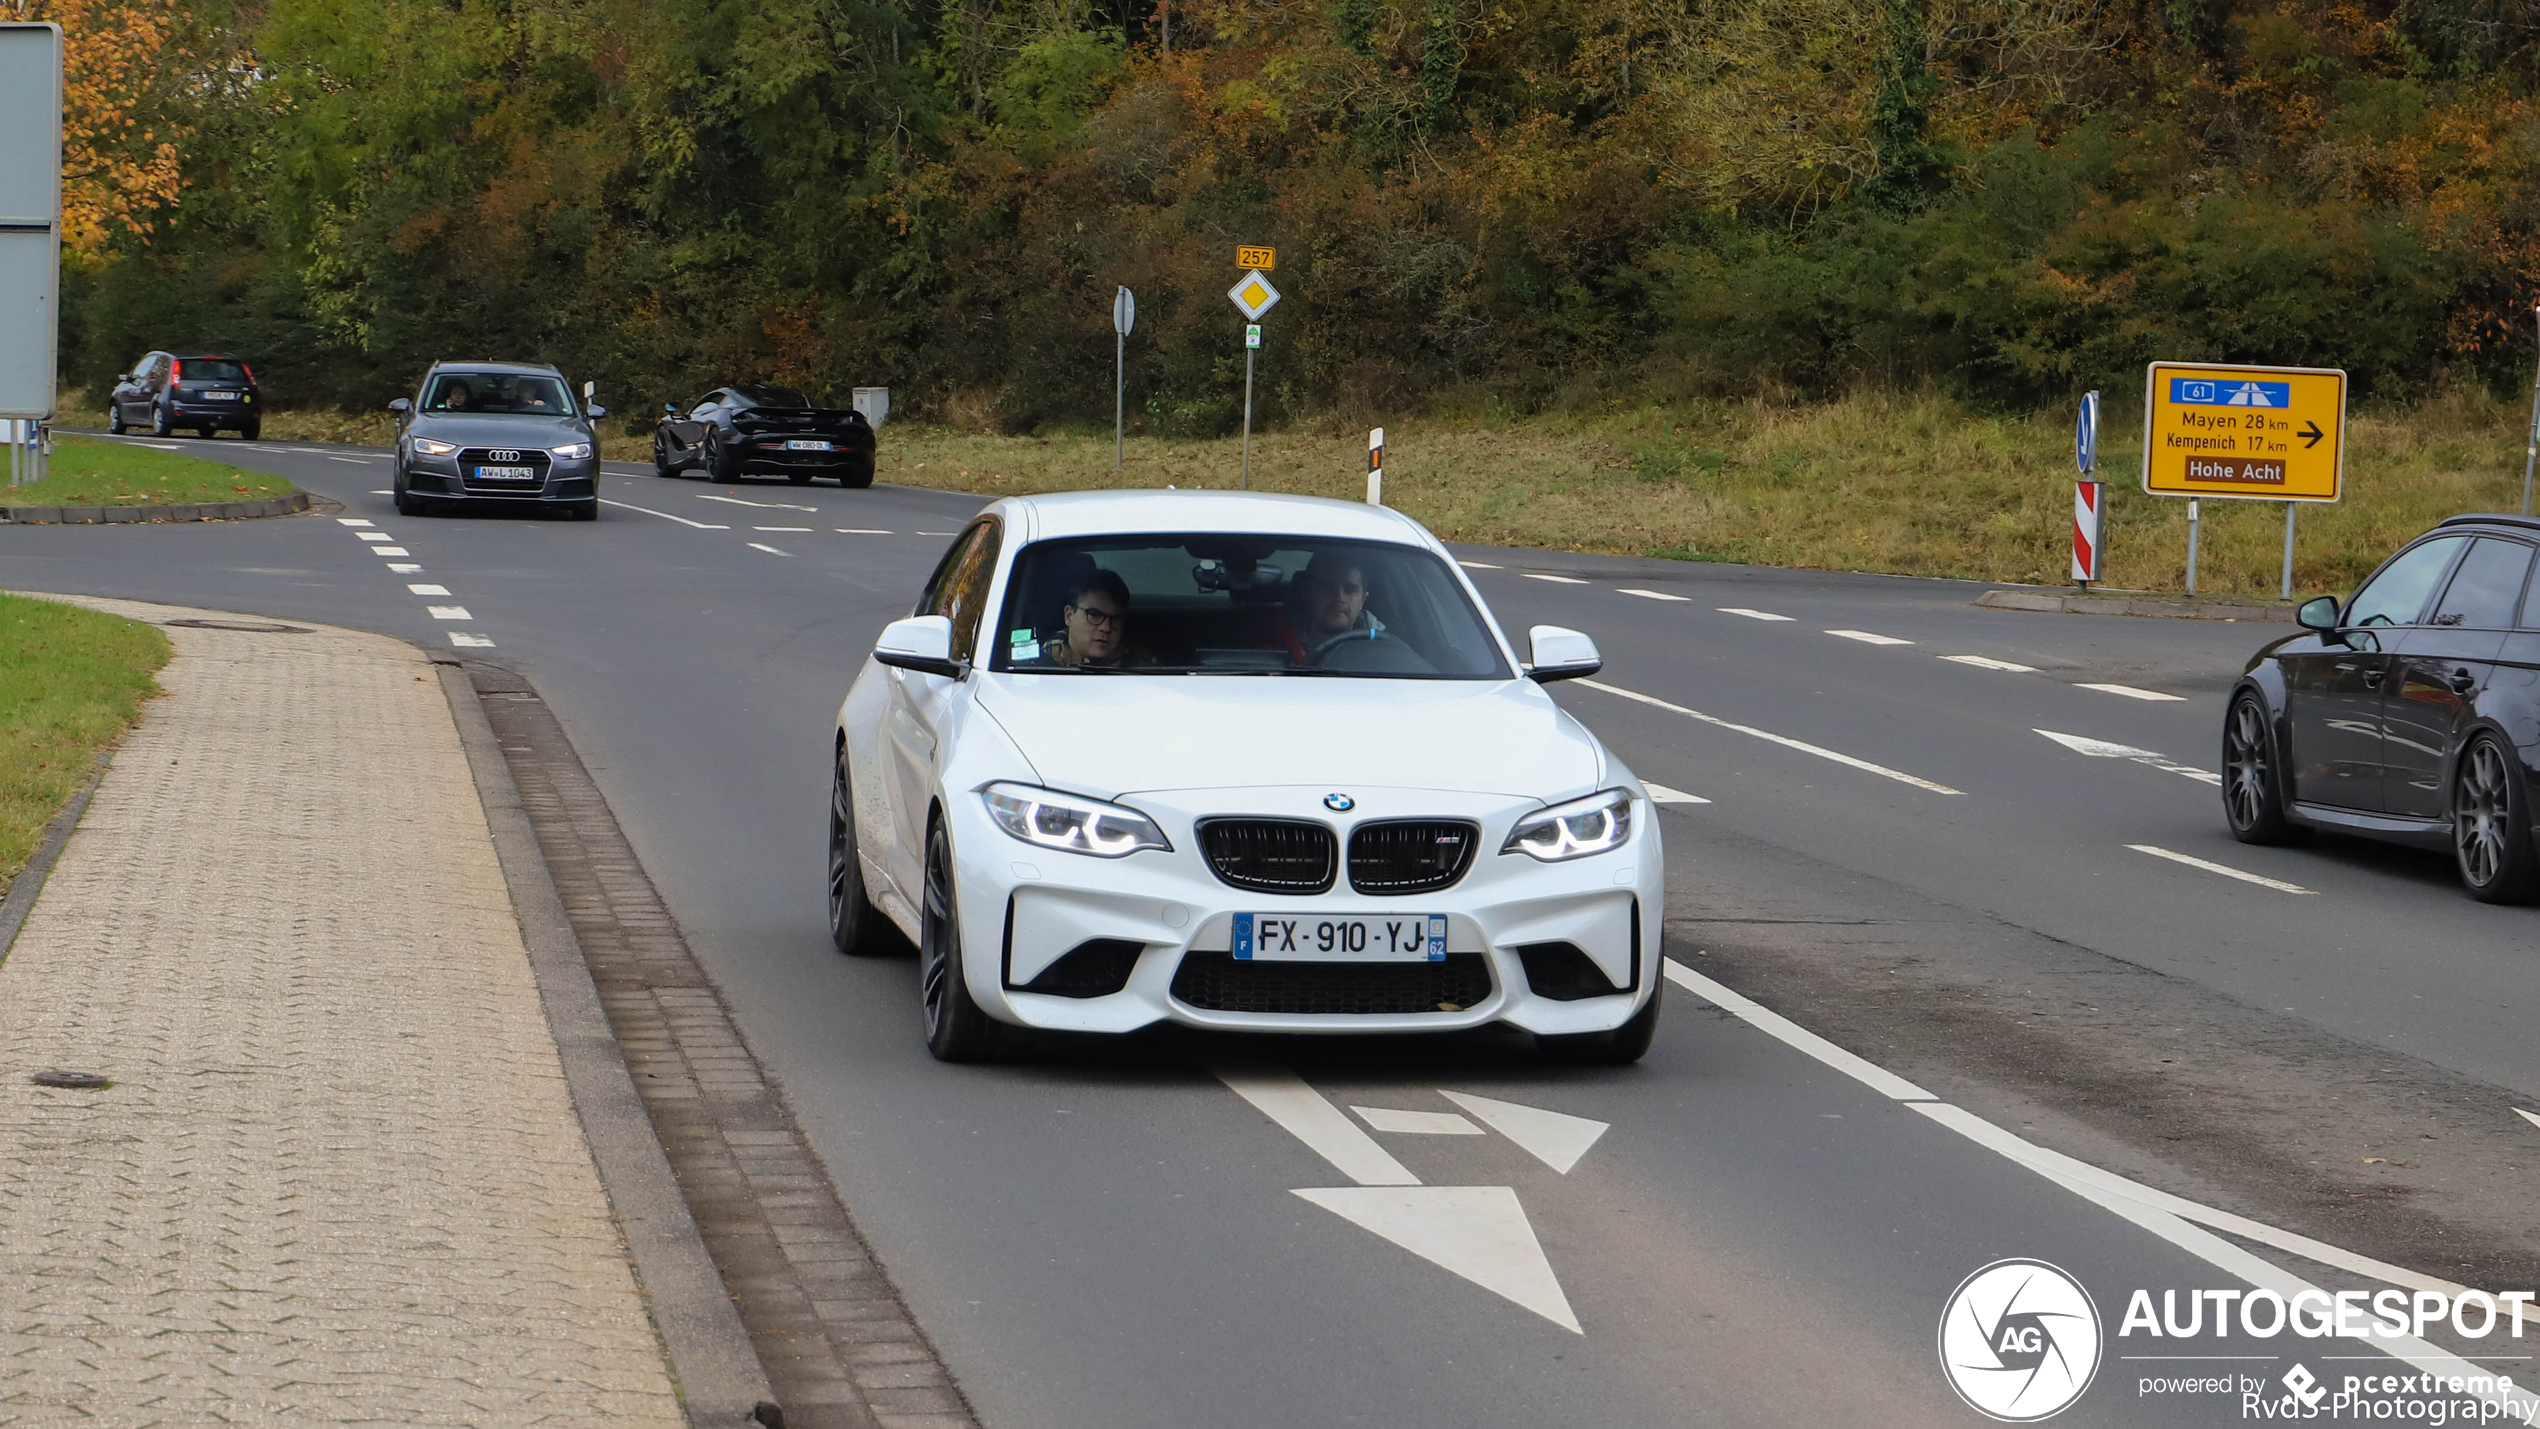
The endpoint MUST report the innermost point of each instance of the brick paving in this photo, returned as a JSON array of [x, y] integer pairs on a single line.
[[338, 1178], [829, 1326]]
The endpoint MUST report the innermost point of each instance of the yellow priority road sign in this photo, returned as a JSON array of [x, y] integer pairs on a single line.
[[2251, 433]]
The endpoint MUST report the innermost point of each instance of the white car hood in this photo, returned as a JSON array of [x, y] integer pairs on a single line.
[[1113, 735]]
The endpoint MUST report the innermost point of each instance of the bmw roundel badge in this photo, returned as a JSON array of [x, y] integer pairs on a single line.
[[1339, 803]]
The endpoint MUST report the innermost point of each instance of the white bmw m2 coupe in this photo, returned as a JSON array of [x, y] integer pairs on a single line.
[[1262, 763]]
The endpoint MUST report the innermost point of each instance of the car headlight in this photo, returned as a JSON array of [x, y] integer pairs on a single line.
[[572, 451], [1071, 823], [1599, 823], [426, 446]]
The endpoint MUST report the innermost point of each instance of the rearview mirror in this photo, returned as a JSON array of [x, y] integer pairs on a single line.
[[401, 406], [2318, 613], [922, 643], [1559, 654]]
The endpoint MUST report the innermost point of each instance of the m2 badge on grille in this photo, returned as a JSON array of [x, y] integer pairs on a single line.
[[1311, 937]]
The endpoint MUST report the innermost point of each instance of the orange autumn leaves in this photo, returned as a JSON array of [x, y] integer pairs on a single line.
[[121, 163]]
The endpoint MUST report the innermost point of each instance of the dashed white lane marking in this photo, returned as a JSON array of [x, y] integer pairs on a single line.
[[1301, 1111], [1416, 1123], [1751, 614], [352, 521], [1868, 637], [449, 612], [1650, 594], [314, 451], [1781, 739], [390, 551], [859, 531], [466, 641], [383, 491], [938, 533], [1661, 794], [2102, 749], [2130, 692], [355, 460], [427, 590], [1558, 580], [1987, 662], [761, 505], [666, 516], [2225, 870], [1480, 566], [373, 536], [780, 528], [402, 568], [771, 550]]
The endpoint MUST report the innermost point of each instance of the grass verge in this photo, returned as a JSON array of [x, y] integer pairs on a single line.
[[71, 682], [89, 473], [1914, 485]]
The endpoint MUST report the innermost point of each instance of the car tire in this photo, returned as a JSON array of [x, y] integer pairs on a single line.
[[2253, 777], [856, 483], [585, 510], [114, 419], [2491, 824], [957, 1029], [1619, 1048], [160, 426], [661, 457], [857, 927], [799, 478], [722, 468], [253, 431]]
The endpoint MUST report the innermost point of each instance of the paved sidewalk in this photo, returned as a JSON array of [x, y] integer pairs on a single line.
[[338, 1178]]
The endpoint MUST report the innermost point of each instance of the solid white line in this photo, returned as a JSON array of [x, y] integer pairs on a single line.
[[313, 451], [1650, 594], [1480, 566], [761, 505], [858, 531], [666, 516], [2130, 692], [1661, 794], [2527, 1116], [466, 641], [449, 612], [1558, 580], [1751, 614], [1763, 1019], [352, 521], [771, 550], [1781, 739], [2225, 870], [389, 551], [427, 590], [1987, 662], [1283, 1096], [780, 528], [1868, 638]]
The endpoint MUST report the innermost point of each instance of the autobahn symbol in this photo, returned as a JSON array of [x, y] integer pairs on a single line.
[[2244, 433]]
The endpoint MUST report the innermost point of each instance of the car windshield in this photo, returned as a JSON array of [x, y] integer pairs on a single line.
[[504, 393], [1205, 604], [771, 396], [210, 369]]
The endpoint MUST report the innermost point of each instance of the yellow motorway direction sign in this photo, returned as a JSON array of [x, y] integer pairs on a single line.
[[2246, 433], [1251, 255]]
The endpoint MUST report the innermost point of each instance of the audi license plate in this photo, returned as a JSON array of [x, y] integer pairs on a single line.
[[220, 396], [806, 446], [507, 473], [1340, 938]]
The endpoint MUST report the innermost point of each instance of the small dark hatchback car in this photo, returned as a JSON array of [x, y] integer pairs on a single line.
[[2411, 714], [205, 392]]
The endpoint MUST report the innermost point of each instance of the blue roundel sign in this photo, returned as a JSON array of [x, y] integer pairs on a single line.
[[1339, 803], [2086, 434]]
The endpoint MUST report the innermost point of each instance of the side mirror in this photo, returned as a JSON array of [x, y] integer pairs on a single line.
[[595, 413], [922, 643], [670, 409], [2318, 613], [1559, 654], [401, 406]]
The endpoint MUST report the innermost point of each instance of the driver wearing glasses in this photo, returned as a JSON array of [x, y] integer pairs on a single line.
[[1097, 619]]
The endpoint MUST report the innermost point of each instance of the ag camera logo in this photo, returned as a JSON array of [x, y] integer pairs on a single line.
[[2019, 1341]]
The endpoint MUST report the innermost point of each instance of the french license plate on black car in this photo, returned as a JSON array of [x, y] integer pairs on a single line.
[[507, 473], [1340, 938], [799, 445], [221, 396]]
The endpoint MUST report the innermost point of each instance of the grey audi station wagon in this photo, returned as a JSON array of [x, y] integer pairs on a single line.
[[496, 432]]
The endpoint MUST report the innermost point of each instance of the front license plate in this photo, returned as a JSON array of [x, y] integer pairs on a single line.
[[220, 396], [1340, 938], [507, 473], [804, 446]]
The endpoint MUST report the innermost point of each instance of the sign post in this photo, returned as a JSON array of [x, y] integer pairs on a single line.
[[1124, 316], [2191, 545], [2090, 505], [1376, 466], [1252, 295], [30, 236], [2245, 434], [2532, 451]]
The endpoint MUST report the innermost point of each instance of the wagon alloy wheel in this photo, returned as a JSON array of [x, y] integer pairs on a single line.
[[2491, 829], [2253, 791], [956, 1029], [855, 925]]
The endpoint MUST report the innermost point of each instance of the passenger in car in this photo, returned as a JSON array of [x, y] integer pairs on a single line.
[[1097, 619], [1332, 606]]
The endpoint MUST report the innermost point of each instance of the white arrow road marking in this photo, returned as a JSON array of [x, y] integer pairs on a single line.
[[2130, 692], [1557, 1139], [1661, 794], [1416, 1123], [1283, 1096], [2102, 749], [1649, 594], [2526, 1116], [1479, 1232], [761, 505], [1783, 740], [1987, 662], [2224, 869]]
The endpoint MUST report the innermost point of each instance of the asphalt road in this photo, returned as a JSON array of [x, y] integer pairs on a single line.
[[1112, 1237]]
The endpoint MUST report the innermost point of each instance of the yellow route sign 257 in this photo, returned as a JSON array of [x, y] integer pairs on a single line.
[[2251, 433], [1254, 255]]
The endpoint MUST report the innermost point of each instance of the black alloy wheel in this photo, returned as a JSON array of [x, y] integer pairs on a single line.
[[160, 426], [407, 505], [1619, 1048], [722, 467], [114, 418], [956, 1029], [2491, 825], [661, 455], [857, 927], [2253, 782]]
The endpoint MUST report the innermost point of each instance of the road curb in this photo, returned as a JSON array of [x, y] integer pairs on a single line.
[[291, 505], [2152, 606], [721, 1382], [30, 880]]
